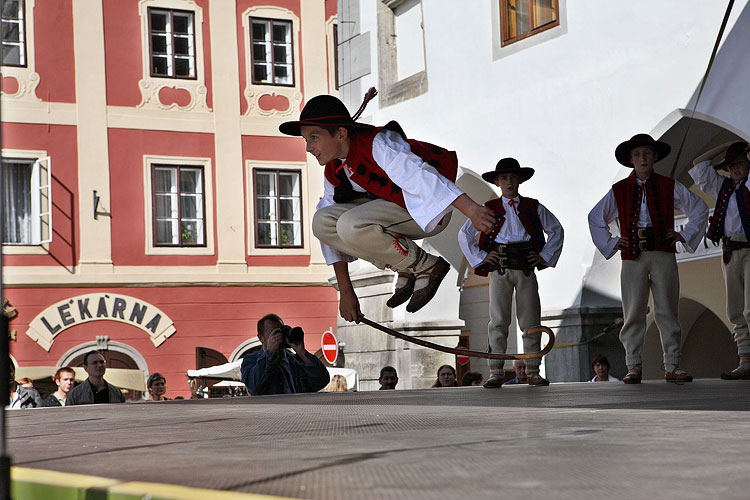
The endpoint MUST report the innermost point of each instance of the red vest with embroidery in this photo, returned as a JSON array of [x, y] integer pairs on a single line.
[[528, 214], [741, 197], [368, 174], [660, 202]]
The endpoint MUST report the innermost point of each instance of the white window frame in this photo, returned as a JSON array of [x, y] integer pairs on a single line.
[[170, 35], [21, 36], [254, 92], [39, 210], [151, 86], [269, 42], [178, 161], [251, 165], [26, 76]]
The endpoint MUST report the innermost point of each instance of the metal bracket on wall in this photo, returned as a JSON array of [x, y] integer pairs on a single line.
[[97, 213]]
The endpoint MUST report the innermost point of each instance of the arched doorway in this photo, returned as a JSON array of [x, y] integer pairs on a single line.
[[707, 344], [245, 348], [116, 355]]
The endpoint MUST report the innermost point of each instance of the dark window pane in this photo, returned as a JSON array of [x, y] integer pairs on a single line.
[[265, 184], [189, 206], [259, 52], [288, 184], [181, 46], [159, 21], [164, 233], [281, 74], [287, 208], [263, 211], [261, 73], [280, 32], [259, 31], [280, 54], [164, 180], [11, 9], [159, 44], [190, 181], [182, 67], [266, 233], [164, 206], [544, 12], [16, 200], [11, 32], [181, 23], [160, 65], [189, 233], [11, 55], [290, 234]]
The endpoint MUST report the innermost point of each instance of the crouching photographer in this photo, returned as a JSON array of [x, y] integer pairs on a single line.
[[274, 369]]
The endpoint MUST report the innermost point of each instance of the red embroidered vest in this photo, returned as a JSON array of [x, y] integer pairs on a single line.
[[368, 174], [742, 197], [528, 214], [660, 203]]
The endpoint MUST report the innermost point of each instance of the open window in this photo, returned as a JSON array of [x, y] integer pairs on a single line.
[[27, 201]]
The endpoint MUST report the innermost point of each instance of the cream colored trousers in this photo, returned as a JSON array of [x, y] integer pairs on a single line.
[[377, 231], [528, 312], [737, 278], [657, 272]]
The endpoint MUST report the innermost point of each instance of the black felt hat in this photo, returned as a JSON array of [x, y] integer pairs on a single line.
[[622, 152], [508, 166], [326, 111], [734, 151]]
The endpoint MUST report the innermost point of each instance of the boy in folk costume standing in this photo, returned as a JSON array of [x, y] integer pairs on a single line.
[[382, 191], [510, 253], [730, 224], [644, 204]]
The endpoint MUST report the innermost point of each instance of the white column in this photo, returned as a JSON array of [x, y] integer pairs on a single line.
[[230, 207], [93, 146]]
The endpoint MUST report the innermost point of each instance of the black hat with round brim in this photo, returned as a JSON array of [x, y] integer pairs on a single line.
[[622, 152], [321, 111], [508, 166], [734, 151]]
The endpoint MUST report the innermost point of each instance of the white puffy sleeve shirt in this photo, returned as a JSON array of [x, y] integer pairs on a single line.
[[513, 231], [686, 202], [710, 183], [427, 194]]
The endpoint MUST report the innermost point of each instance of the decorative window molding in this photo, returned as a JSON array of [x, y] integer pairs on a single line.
[[111, 345], [395, 86], [521, 19], [332, 43], [151, 161], [256, 248], [504, 47], [26, 78], [164, 92], [281, 100], [35, 235], [245, 348]]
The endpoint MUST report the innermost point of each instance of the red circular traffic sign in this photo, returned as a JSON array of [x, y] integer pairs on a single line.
[[330, 347], [462, 360]]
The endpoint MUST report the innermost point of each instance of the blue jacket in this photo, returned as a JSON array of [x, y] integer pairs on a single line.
[[265, 372]]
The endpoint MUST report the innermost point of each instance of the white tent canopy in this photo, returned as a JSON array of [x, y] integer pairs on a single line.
[[231, 371]]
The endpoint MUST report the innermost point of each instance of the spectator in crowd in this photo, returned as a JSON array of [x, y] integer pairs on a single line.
[[157, 387], [600, 364], [472, 378], [26, 382], [21, 397], [65, 378], [519, 366], [446, 377], [94, 389], [275, 370], [388, 378], [338, 384]]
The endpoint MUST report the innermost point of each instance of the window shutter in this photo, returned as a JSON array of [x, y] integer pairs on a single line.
[[41, 180]]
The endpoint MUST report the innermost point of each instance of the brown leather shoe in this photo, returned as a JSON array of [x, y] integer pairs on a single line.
[[738, 373], [536, 379], [404, 289], [434, 276], [633, 376], [494, 382], [677, 375]]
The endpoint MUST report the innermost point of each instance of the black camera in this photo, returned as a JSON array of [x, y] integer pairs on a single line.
[[291, 335]]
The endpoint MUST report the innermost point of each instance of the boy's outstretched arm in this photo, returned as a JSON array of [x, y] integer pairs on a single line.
[[482, 218], [349, 303]]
